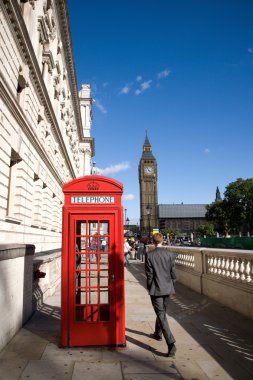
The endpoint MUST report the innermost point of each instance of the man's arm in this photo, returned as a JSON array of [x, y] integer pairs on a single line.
[[149, 273], [173, 267]]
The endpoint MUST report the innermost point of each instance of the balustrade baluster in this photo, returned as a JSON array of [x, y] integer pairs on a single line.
[[223, 265], [193, 261], [227, 268], [248, 271], [211, 265], [219, 266], [242, 269], [237, 266], [215, 265], [232, 264], [186, 260]]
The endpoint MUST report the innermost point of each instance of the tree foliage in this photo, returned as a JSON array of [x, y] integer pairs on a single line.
[[206, 229], [235, 211]]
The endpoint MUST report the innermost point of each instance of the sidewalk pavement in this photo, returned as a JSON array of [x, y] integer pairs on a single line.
[[213, 342]]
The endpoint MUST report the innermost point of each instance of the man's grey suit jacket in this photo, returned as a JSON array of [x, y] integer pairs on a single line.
[[160, 272]]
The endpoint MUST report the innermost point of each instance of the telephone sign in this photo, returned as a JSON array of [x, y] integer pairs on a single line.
[[93, 306]]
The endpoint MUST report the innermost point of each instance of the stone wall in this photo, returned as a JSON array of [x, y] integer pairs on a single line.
[[16, 279], [44, 140], [22, 289]]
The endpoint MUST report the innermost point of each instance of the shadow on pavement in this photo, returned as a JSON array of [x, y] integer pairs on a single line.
[[225, 334]]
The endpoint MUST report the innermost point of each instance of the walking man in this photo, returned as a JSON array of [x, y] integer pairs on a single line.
[[160, 272]]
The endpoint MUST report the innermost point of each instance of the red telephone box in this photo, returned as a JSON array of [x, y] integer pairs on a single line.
[[93, 306]]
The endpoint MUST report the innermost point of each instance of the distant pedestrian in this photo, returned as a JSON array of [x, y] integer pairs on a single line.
[[161, 275], [103, 245], [127, 249]]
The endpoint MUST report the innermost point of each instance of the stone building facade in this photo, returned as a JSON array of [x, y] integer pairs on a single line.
[[184, 218], [45, 122]]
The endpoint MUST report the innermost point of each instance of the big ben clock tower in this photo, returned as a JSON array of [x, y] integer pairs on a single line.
[[148, 189]]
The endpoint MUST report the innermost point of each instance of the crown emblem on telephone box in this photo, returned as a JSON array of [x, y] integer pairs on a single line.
[[93, 186]]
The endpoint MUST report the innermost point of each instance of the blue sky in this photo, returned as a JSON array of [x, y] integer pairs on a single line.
[[181, 69]]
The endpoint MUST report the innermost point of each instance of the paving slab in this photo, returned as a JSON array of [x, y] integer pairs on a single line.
[[12, 369], [97, 371], [213, 342], [23, 350], [50, 369], [77, 354], [152, 367]]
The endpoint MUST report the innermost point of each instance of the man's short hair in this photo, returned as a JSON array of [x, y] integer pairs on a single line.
[[157, 238]]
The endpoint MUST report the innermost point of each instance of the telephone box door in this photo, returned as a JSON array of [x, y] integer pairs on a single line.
[[92, 279]]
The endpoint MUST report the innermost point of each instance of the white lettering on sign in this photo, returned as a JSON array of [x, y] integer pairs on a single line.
[[93, 199]]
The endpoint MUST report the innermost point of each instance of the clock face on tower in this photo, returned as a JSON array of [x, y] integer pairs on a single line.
[[148, 170]]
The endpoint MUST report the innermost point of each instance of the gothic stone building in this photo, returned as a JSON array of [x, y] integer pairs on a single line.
[[44, 122]]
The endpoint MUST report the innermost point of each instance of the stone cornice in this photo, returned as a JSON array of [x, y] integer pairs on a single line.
[[26, 50], [90, 140], [63, 16], [8, 99]]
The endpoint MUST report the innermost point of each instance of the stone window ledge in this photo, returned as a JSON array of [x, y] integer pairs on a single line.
[[11, 219]]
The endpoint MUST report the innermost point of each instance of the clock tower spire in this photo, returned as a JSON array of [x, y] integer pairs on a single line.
[[148, 189]]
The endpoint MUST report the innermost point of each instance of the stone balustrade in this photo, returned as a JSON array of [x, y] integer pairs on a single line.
[[225, 275]]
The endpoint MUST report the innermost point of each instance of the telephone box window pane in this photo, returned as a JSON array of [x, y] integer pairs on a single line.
[[104, 296], [81, 244], [104, 259], [103, 281], [93, 263], [81, 260], [78, 261], [104, 228], [81, 227], [93, 227], [81, 296], [93, 296], [104, 244], [81, 279], [93, 244], [93, 279], [104, 313]]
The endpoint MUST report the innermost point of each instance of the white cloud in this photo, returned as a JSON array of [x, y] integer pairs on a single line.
[[207, 150], [163, 74], [128, 197], [113, 168], [250, 50], [98, 104], [138, 78], [144, 86], [125, 89]]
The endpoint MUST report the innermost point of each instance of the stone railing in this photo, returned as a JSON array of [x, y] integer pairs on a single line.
[[225, 275], [230, 266]]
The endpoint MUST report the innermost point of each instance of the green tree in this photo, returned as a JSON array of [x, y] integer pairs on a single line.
[[238, 203], [216, 213], [235, 211], [206, 229]]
